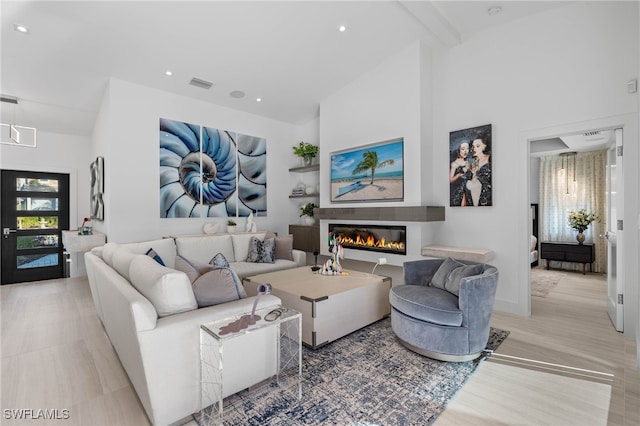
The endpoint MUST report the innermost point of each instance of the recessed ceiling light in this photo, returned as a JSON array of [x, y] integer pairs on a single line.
[[342, 28], [168, 72], [21, 28], [258, 99], [494, 10], [237, 94]]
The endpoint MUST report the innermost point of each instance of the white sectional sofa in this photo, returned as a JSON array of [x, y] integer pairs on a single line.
[[156, 336]]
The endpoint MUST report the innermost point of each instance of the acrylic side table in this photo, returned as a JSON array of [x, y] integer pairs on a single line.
[[214, 335]]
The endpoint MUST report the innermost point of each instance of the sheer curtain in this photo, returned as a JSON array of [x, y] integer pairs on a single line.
[[560, 192]]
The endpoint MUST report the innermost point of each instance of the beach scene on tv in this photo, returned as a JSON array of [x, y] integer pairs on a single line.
[[370, 173]]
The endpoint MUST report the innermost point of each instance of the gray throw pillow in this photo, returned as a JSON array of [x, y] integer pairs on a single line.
[[192, 268], [284, 248], [219, 285], [211, 285], [439, 279], [261, 251], [452, 285]]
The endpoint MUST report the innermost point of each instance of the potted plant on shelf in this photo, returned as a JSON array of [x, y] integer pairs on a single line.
[[580, 221], [231, 226], [306, 212], [306, 151]]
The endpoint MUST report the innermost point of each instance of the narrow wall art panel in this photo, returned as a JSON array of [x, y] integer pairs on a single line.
[[470, 164], [209, 172], [252, 178], [97, 188]]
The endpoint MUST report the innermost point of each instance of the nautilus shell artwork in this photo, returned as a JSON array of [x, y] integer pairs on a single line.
[[208, 172]]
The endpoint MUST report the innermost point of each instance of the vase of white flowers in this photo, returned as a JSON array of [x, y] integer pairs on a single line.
[[580, 221]]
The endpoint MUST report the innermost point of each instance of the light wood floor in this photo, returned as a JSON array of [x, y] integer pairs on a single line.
[[563, 365]]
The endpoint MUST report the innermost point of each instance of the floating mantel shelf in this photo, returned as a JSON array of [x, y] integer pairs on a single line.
[[304, 169], [404, 214], [462, 253]]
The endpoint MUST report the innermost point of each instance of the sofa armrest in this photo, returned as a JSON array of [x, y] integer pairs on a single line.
[[299, 257]]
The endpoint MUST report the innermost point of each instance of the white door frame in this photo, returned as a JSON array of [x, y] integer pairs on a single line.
[[630, 215]]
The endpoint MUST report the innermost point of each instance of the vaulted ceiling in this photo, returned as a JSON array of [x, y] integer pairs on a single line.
[[290, 54]]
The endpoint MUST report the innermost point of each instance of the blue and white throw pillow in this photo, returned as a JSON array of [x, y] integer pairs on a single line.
[[155, 256]]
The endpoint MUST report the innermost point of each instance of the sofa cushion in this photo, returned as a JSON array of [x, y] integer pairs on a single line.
[[202, 249], [429, 304], [241, 245], [452, 285], [164, 247], [168, 290], [211, 285], [261, 251], [439, 279], [246, 269]]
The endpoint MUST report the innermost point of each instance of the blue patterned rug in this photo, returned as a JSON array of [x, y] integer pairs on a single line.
[[367, 377]]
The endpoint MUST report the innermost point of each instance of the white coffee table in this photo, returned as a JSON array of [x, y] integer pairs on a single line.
[[331, 306], [215, 335]]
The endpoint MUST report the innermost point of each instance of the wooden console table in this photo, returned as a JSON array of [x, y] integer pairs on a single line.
[[568, 252]]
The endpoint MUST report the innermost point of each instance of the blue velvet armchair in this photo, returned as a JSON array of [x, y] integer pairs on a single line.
[[437, 322]]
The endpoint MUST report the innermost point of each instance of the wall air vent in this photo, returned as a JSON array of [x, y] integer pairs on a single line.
[[203, 84], [597, 132]]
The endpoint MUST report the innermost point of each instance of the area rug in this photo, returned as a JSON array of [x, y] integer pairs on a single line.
[[543, 281], [366, 377]]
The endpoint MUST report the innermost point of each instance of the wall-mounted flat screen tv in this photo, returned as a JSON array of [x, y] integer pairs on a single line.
[[368, 173]]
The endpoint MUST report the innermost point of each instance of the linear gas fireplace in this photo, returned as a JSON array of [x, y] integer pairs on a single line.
[[376, 238]]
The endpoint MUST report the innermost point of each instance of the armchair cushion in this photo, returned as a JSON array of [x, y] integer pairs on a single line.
[[426, 304]]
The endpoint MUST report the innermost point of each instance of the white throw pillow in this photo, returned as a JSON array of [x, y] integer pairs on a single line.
[[108, 252], [168, 290], [122, 261]]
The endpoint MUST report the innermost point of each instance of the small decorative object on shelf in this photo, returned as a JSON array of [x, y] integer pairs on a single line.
[[580, 221], [86, 228], [299, 190], [306, 211], [231, 226], [332, 266], [251, 224], [306, 151]]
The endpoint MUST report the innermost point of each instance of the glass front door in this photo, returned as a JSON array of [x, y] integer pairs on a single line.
[[35, 210]]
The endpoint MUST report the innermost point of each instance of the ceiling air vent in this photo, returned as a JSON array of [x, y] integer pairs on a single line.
[[203, 84]]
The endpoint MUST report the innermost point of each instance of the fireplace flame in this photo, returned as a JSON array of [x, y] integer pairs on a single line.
[[370, 242]]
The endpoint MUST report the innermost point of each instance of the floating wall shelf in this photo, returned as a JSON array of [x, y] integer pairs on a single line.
[[404, 214]]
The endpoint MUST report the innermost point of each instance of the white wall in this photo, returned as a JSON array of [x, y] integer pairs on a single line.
[[58, 153], [127, 135], [390, 101], [566, 65]]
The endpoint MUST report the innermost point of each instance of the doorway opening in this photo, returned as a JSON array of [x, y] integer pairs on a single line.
[[602, 143]]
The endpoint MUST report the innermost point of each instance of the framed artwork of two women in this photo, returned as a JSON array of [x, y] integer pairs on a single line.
[[470, 183]]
